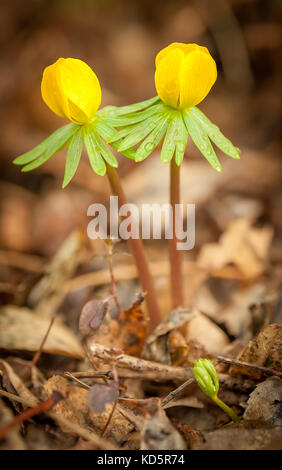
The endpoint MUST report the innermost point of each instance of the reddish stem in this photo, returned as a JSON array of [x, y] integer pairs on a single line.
[[137, 248], [44, 406], [176, 277]]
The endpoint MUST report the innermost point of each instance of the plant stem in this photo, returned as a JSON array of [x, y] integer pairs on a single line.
[[174, 254], [137, 248], [226, 408]]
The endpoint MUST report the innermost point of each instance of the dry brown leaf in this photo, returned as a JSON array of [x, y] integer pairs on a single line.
[[265, 402], [48, 293], [207, 333], [156, 430], [17, 383], [158, 345], [127, 332], [243, 245], [243, 437], [92, 316], [22, 329], [264, 350], [192, 436], [75, 409], [158, 433]]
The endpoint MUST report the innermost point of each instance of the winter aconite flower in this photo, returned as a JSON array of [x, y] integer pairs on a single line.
[[71, 90], [184, 74], [207, 379]]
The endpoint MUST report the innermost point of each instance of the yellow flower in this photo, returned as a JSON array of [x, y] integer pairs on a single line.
[[71, 90], [184, 74]]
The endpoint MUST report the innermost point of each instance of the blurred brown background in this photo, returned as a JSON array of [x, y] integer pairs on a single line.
[[119, 40]]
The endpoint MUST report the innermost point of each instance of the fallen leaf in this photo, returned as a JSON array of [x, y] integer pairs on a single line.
[[158, 433], [127, 332], [75, 409], [263, 350], [239, 438], [92, 316], [22, 329], [18, 384], [158, 345], [101, 394], [192, 436], [265, 402], [207, 333], [241, 244]]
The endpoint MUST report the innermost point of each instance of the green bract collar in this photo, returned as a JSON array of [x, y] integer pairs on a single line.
[[149, 121]]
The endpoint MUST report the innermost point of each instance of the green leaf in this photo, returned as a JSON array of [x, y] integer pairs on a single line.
[[139, 132], [130, 153], [105, 151], [130, 119], [104, 130], [31, 155], [53, 144], [120, 135], [154, 138], [201, 140], [214, 133], [39, 149], [95, 158], [73, 157], [168, 147], [180, 140], [113, 111]]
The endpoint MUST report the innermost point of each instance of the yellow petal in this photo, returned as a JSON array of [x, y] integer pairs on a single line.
[[71, 89], [186, 48], [167, 77], [82, 88], [51, 89], [198, 74]]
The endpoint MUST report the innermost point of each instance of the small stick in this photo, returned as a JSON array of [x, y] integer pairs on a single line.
[[69, 375], [61, 421], [125, 361], [44, 406], [109, 418], [235, 362], [40, 350], [109, 245], [172, 395]]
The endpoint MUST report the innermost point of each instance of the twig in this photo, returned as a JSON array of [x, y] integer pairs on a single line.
[[162, 371], [23, 261], [90, 436], [40, 350], [109, 245], [70, 376], [109, 418], [248, 365], [172, 395], [44, 406]]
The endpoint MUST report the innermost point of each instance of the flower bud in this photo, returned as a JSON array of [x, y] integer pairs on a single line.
[[71, 90], [184, 74], [206, 376]]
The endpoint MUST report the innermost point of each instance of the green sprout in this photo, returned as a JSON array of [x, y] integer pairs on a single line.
[[207, 379]]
